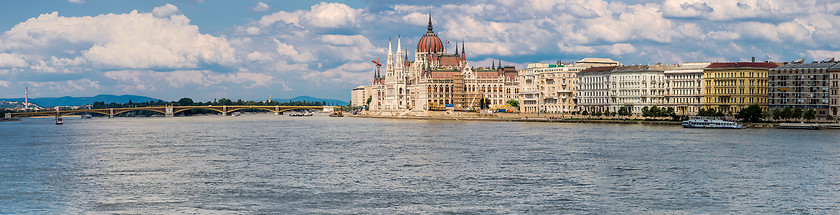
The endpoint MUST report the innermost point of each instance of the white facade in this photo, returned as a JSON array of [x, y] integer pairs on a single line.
[[636, 87], [684, 86], [594, 89]]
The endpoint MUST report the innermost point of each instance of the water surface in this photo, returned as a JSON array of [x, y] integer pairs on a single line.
[[281, 164]]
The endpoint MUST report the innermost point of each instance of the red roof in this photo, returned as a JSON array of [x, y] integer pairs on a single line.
[[487, 75], [511, 76], [450, 61], [743, 65], [599, 69], [443, 75]]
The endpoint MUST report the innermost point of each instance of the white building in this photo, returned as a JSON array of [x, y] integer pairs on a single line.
[[636, 87], [594, 89], [684, 86]]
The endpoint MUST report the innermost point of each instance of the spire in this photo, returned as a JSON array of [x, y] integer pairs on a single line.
[[399, 43], [463, 55], [456, 47], [494, 65], [430, 22], [389, 46]]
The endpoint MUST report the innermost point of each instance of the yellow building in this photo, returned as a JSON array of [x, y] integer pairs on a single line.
[[730, 87]]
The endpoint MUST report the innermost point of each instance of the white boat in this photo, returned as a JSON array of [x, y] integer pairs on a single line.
[[710, 122], [59, 121], [303, 113]]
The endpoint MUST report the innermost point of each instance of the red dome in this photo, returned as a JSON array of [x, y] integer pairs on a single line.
[[430, 41]]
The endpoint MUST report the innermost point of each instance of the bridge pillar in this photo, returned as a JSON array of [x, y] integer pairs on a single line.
[[8, 115], [224, 110], [170, 112], [276, 110], [111, 113]]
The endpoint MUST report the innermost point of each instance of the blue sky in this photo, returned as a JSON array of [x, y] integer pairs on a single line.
[[207, 49]]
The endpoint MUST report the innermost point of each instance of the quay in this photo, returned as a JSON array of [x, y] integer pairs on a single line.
[[809, 126]]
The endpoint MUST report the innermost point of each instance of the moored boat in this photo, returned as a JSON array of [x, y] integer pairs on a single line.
[[710, 122], [59, 121], [337, 114]]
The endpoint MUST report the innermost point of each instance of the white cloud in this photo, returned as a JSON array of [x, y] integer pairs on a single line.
[[290, 51], [252, 31], [4, 84], [260, 7], [287, 17], [165, 11], [76, 1], [332, 15], [823, 54], [146, 80], [133, 40], [11, 60], [258, 56]]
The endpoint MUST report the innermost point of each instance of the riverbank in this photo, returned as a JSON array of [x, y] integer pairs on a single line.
[[551, 118]]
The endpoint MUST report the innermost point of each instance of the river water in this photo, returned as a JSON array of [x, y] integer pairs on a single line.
[[286, 165]]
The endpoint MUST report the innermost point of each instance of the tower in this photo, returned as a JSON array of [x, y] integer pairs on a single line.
[[26, 97]]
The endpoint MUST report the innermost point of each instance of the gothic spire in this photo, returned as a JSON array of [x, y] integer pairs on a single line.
[[430, 22]]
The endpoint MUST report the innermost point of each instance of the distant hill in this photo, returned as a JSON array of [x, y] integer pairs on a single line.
[[330, 102], [79, 101]]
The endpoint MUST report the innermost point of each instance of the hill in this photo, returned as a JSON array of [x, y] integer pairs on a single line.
[[79, 101]]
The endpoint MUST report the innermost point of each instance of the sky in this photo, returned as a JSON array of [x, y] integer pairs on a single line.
[[248, 49]]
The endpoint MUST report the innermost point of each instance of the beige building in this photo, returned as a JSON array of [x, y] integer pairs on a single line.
[[684, 87], [360, 95], [834, 95], [549, 88]]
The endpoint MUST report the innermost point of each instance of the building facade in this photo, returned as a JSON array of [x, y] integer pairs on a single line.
[[636, 87], [730, 87], [684, 87], [801, 85], [594, 89], [551, 88], [834, 91], [360, 95]]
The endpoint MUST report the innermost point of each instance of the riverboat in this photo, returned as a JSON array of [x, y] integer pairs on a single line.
[[59, 121], [337, 114], [710, 122], [301, 114]]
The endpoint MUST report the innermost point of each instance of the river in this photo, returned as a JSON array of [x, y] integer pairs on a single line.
[[287, 165]]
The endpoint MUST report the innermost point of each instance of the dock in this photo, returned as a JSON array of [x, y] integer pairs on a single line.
[[809, 126]]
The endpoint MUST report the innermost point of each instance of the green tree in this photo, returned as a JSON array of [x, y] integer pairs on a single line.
[[370, 98], [185, 102], [797, 113], [584, 113], [829, 117], [787, 113], [645, 111], [597, 113], [623, 111], [607, 113], [750, 114], [810, 115], [513, 103]]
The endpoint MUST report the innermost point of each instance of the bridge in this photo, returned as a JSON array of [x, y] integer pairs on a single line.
[[168, 111]]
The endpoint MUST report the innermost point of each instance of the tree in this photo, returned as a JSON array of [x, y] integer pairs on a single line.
[[829, 117], [623, 111], [185, 102], [607, 113], [797, 113], [777, 114], [370, 98], [597, 113], [645, 112], [787, 113], [513, 103], [750, 114], [810, 115], [584, 113]]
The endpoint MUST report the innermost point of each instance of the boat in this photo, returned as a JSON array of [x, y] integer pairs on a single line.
[[336, 114], [236, 114], [86, 116], [710, 122], [59, 121], [301, 114]]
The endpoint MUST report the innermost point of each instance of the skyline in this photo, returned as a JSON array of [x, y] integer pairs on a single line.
[[253, 49]]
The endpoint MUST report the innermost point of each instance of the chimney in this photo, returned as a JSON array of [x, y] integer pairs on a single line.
[[753, 59]]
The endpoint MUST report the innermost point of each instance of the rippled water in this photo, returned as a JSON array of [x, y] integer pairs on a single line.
[[280, 164]]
